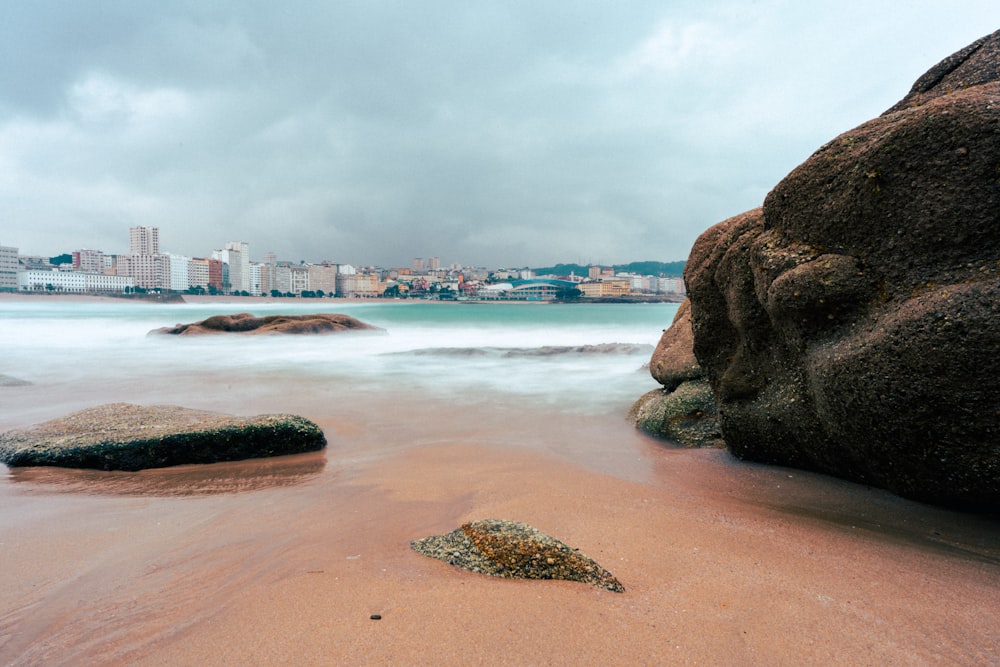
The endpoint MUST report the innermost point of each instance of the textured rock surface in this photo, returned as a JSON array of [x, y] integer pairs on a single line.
[[122, 436], [850, 325], [245, 323], [686, 416], [673, 360], [515, 551], [683, 411]]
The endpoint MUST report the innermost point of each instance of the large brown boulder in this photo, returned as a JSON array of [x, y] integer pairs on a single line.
[[245, 323], [851, 324]]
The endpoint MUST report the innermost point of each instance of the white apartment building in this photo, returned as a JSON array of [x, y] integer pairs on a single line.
[[179, 272], [670, 285], [239, 266], [257, 276], [74, 282], [8, 268]]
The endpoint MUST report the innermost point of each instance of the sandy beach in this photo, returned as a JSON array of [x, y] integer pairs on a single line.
[[723, 563]]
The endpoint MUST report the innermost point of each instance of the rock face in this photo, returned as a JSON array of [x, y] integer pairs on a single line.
[[684, 410], [245, 323], [515, 551], [122, 436], [851, 324]]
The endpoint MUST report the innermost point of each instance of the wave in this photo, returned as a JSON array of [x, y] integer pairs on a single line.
[[605, 349]]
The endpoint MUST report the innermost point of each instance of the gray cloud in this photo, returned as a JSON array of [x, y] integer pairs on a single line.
[[498, 133]]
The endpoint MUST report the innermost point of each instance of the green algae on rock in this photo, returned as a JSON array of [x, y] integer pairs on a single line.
[[123, 436], [514, 550]]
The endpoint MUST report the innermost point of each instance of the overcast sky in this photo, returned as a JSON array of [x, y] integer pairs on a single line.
[[486, 133]]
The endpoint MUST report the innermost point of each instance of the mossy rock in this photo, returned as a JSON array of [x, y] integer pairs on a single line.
[[687, 415], [123, 436], [514, 550]]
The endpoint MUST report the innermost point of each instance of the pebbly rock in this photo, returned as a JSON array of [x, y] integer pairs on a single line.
[[850, 325], [245, 323], [514, 550], [123, 436]]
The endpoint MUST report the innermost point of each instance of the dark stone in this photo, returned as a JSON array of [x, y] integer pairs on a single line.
[[850, 325], [515, 551], [122, 436], [245, 323]]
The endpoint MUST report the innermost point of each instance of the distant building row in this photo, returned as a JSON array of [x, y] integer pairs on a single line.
[[230, 271]]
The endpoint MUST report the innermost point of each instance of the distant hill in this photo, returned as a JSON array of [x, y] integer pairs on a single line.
[[670, 269]]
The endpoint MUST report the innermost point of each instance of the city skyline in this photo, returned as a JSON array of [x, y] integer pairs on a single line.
[[500, 133], [147, 267]]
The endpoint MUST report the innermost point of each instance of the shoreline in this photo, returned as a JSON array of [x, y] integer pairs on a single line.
[[205, 298]]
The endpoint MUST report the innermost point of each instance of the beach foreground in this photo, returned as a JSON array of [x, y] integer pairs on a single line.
[[455, 414], [287, 560]]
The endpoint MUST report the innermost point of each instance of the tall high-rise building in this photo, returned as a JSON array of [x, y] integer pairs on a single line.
[[144, 240], [239, 265], [418, 265], [434, 263]]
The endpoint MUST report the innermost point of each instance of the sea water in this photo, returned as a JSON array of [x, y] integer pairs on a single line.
[[430, 363]]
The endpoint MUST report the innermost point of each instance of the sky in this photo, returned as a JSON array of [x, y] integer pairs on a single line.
[[487, 133]]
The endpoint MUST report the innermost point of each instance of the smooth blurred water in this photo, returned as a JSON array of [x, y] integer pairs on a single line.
[[567, 357]]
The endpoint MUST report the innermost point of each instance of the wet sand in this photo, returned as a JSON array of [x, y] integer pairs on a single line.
[[285, 561]]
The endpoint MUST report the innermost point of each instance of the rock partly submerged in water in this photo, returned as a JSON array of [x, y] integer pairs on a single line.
[[245, 323], [10, 381], [514, 550], [123, 436]]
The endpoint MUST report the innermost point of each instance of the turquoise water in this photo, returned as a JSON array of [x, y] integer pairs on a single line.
[[571, 358]]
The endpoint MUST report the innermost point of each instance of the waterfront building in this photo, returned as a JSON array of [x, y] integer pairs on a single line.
[[323, 278], [669, 286], [346, 285], [239, 266], [73, 282], [147, 271], [8, 268], [605, 287], [257, 279], [179, 272], [197, 273], [367, 285]]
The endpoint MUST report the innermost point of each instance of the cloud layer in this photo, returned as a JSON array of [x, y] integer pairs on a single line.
[[496, 133]]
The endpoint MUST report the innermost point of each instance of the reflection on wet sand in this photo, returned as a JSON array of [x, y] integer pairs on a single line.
[[188, 480]]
